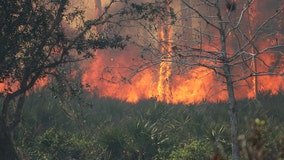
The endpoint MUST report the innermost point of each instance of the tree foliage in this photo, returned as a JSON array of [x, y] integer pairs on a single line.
[[38, 36], [36, 39]]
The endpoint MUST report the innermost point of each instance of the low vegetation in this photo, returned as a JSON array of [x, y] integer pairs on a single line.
[[111, 129]]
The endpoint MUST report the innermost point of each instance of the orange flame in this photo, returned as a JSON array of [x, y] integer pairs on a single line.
[[8, 87], [108, 75], [197, 85], [164, 84], [104, 76]]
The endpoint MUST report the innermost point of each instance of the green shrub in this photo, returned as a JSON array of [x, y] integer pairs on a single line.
[[194, 150], [58, 145]]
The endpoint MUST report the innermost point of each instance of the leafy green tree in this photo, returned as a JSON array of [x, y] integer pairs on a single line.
[[36, 39]]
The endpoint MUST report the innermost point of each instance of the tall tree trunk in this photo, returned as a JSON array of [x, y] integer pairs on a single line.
[[233, 113], [7, 150]]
